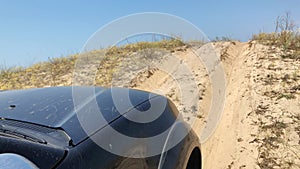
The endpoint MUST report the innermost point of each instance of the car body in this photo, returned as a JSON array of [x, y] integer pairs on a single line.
[[43, 126]]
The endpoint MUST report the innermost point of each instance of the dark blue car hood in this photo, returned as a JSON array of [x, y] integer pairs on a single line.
[[54, 107]]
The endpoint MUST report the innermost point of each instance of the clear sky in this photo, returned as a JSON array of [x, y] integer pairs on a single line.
[[34, 30]]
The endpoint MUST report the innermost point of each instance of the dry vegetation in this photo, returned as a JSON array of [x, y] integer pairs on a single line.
[[286, 36], [51, 73], [59, 71]]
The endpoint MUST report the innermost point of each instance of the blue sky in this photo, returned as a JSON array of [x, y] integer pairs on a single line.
[[32, 31]]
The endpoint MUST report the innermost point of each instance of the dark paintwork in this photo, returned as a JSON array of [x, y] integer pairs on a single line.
[[53, 107]]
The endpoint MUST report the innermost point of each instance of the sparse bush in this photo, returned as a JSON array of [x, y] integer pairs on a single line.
[[223, 39], [292, 55], [286, 95], [285, 36]]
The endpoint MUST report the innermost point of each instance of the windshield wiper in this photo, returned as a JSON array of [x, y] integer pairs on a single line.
[[17, 133]]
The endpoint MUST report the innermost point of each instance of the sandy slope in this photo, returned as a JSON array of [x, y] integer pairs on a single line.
[[228, 147], [246, 137]]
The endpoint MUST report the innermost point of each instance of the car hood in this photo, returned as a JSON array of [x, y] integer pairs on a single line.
[[61, 107]]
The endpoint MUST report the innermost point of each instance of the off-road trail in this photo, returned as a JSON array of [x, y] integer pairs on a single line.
[[229, 145], [226, 145], [243, 138]]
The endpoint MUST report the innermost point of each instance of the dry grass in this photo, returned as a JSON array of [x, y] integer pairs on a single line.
[[59, 71], [286, 37]]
